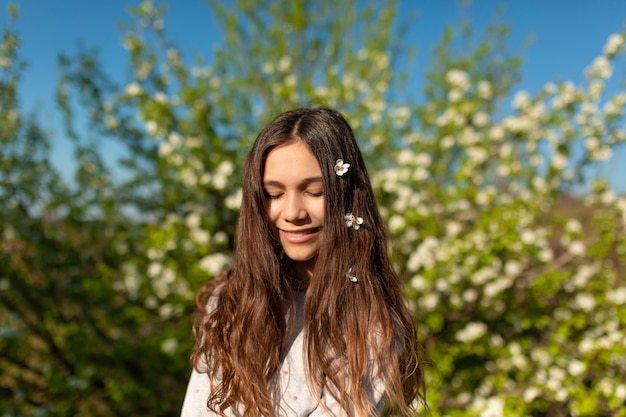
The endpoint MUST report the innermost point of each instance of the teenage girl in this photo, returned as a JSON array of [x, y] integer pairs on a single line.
[[310, 320]]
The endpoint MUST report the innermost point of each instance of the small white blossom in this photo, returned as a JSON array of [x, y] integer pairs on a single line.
[[268, 67], [341, 167], [419, 283], [220, 238], [601, 67], [291, 80], [160, 97], [447, 142], [545, 255], [233, 201], [617, 296], [592, 143], [494, 288], [199, 236], [188, 177], [424, 255], [168, 275], [169, 346], [583, 275], [596, 87], [558, 161], [521, 100], [154, 269], [528, 237], [494, 408], [484, 89], [133, 89], [512, 268], [480, 119], [353, 221], [602, 154], [151, 302], [453, 228], [193, 220], [458, 78], [517, 124], [423, 159], [469, 136], [430, 301], [222, 174], [451, 117], [503, 170], [382, 60], [215, 82], [496, 133], [401, 114], [165, 312], [531, 393], [111, 122], [576, 368], [470, 295], [585, 301], [454, 96], [586, 346], [573, 226], [397, 223], [477, 155], [483, 275], [152, 127], [577, 248], [284, 63], [214, 264], [471, 332], [614, 42], [539, 183]]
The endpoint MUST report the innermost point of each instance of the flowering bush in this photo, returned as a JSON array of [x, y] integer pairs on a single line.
[[509, 240]]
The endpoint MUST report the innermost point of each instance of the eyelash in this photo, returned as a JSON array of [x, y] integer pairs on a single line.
[[277, 196]]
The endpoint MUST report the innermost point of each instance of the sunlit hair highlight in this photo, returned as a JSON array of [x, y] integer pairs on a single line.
[[356, 331]]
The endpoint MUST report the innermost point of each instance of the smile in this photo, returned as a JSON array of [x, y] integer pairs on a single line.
[[300, 236]]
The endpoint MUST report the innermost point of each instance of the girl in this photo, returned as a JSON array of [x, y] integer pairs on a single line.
[[309, 321]]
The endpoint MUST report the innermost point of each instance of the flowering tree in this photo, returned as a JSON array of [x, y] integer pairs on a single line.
[[520, 283], [516, 281]]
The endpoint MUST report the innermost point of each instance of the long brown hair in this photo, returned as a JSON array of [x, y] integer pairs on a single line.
[[363, 326]]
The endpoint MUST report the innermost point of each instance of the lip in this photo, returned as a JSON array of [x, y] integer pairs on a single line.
[[300, 236]]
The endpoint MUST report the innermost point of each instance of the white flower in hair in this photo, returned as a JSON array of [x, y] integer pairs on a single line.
[[341, 167], [353, 221], [350, 275]]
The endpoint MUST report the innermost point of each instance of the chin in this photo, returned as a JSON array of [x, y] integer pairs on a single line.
[[301, 257]]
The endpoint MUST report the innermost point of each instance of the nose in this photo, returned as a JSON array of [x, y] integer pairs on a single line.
[[294, 209]]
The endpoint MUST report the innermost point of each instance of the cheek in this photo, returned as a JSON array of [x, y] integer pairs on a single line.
[[271, 208], [320, 209]]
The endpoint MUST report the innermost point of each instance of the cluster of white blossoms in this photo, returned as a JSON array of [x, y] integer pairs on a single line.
[[613, 44], [215, 263], [471, 332]]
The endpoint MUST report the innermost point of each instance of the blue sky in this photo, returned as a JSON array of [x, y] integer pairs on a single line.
[[568, 35]]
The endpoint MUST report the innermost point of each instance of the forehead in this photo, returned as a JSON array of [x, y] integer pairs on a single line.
[[293, 159]]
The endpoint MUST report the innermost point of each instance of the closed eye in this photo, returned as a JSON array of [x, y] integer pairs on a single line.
[[273, 196]]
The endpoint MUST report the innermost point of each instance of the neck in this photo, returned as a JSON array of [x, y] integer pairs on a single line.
[[302, 273]]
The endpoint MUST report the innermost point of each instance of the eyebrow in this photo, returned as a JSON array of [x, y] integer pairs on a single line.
[[306, 181]]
